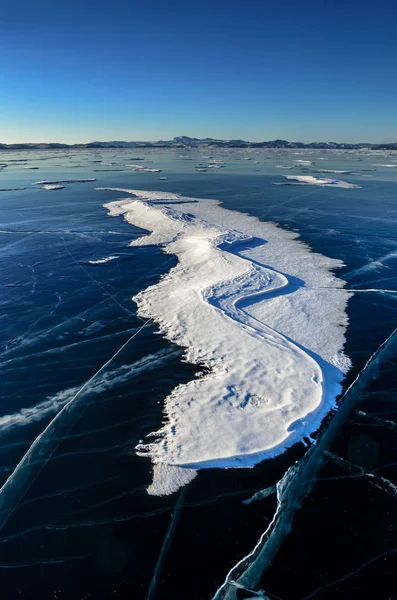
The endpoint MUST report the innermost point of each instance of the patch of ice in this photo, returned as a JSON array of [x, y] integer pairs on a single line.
[[52, 186], [341, 361], [311, 180], [267, 335], [101, 261], [141, 169], [168, 479], [337, 171], [55, 181], [386, 166]]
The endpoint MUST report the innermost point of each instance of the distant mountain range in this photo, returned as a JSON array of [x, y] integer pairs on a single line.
[[188, 142]]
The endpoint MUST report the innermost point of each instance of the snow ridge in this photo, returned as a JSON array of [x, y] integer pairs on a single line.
[[271, 338]]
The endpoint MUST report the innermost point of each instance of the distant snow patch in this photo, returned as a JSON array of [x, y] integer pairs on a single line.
[[303, 163], [321, 181], [52, 186], [101, 261], [56, 181], [386, 166]]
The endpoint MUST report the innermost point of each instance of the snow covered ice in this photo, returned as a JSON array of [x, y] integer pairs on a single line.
[[261, 312], [311, 180]]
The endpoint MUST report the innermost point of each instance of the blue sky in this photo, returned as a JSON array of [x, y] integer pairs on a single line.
[[80, 71]]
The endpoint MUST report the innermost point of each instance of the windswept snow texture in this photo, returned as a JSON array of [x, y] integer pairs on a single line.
[[265, 316]]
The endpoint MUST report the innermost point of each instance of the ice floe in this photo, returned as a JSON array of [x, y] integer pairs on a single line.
[[102, 261], [337, 171], [311, 180], [262, 313], [56, 181], [303, 163], [142, 169], [52, 186], [168, 479], [386, 166]]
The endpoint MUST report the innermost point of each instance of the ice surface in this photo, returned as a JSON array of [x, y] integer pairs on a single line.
[[52, 404], [258, 309], [337, 171], [31, 414]]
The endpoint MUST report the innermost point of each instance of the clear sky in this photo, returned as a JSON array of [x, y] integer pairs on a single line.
[[84, 70]]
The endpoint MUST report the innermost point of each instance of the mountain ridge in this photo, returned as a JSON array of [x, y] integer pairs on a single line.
[[191, 142]]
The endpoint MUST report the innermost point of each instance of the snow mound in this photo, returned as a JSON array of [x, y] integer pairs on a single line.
[[262, 313]]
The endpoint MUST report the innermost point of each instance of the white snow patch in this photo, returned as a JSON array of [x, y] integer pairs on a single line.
[[168, 479], [50, 186], [386, 166], [101, 261], [310, 180], [142, 169], [258, 309]]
